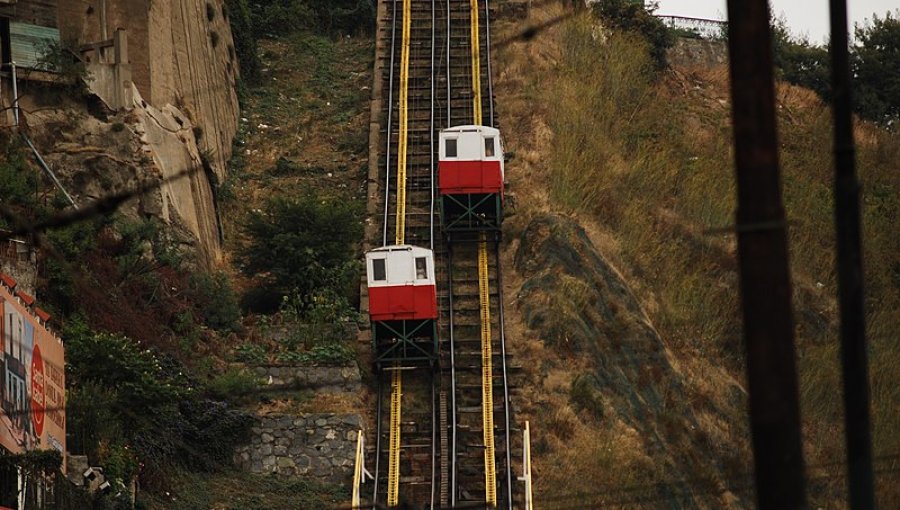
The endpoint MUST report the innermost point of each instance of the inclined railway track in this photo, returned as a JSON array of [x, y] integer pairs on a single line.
[[443, 430]]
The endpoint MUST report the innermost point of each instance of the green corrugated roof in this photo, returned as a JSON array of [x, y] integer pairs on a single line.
[[29, 43]]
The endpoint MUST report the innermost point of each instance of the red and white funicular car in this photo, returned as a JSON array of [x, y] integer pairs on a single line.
[[470, 178], [402, 302]]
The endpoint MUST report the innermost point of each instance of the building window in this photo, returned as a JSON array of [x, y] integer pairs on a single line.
[[489, 147], [421, 271], [450, 149], [379, 270]]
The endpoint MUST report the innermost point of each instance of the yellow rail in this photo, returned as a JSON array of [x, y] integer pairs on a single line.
[[393, 490], [476, 63], [487, 376], [404, 122]]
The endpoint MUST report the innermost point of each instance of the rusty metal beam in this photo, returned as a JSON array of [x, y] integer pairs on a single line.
[[763, 261]]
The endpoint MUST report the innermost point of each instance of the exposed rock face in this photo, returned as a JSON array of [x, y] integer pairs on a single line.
[[182, 62], [584, 310], [698, 52], [95, 156]]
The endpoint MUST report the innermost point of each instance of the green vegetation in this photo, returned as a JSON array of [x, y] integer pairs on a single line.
[[303, 246], [130, 406], [874, 59], [274, 18], [647, 165], [635, 17]]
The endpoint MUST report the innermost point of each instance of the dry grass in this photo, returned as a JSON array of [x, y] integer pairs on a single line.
[[646, 166]]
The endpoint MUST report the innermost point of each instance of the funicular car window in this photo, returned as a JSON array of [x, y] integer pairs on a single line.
[[421, 271], [450, 148], [489, 147], [378, 269]]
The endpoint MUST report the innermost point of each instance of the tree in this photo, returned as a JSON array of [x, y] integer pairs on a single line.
[[631, 16], [799, 61], [876, 68]]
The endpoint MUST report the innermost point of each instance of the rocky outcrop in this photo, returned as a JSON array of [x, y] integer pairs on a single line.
[[585, 313], [181, 60], [100, 153], [321, 446], [689, 52], [193, 66]]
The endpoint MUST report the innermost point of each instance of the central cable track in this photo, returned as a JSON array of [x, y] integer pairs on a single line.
[[444, 438]]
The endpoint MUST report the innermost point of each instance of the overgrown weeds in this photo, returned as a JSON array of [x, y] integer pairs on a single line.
[[650, 160]]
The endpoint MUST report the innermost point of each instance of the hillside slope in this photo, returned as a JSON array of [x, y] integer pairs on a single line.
[[627, 304]]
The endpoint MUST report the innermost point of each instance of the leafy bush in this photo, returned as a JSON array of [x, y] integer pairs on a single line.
[[18, 183], [303, 246], [873, 59], [233, 385], [130, 405], [250, 353], [215, 301], [630, 16], [331, 354], [62, 58]]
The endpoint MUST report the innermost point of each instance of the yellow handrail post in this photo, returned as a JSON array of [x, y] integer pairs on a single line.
[[359, 470], [526, 467]]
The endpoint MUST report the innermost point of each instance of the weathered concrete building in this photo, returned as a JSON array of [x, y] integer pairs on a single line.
[[172, 63], [180, 52]]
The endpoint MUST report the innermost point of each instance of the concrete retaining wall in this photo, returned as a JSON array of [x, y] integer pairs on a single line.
[[319, 445]]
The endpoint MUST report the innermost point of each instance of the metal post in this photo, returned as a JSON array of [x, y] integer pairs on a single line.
[[850, 273], [763, 262], [15, 87]]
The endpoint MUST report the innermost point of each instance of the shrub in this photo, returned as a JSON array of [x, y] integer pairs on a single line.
[[250, 353], [233, 385], [303, 246], [18, 182], [799, 61], [215, 301], [875, 61], [133, 406], [630, 16]]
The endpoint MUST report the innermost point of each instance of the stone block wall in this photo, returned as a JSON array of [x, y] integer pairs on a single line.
[[322, 446], [322, 379]]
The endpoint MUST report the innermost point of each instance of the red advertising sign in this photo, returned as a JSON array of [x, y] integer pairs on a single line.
[[37, 390], [32, 380]]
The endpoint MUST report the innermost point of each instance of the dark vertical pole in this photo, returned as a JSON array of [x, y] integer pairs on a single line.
[[763, 261], [850, 273]]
